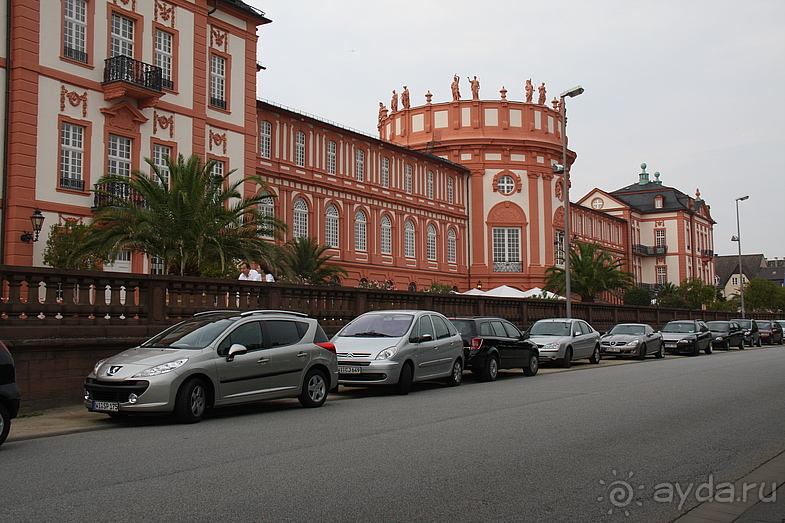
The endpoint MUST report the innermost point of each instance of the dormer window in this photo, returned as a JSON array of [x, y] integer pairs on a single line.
[[658, 202]]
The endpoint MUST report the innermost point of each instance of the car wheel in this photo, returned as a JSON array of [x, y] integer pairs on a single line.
[[404, 384], [191, 402], [641, 352], [567, 361], [314, 392], [661, 352], [534, 365], [709, 348], [760, 342], [491, 370], [5, 423], [596, 356], [741, 344], [456, 376]]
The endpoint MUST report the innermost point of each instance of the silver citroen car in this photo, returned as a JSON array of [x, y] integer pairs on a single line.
[[214, 359], [398, 347]]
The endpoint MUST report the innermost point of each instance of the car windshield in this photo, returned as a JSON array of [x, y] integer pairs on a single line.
[[764, 325], [196, 333], [465, 327], [745, 324], [550, 328], [379, 326], [719, 326], [679, 327], [635, 330]]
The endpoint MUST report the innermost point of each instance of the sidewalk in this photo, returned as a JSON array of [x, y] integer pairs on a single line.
[[57, 421]]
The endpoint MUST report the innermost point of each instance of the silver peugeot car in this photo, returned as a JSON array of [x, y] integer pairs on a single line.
[[398, 347], [214, 359], [564, 340]]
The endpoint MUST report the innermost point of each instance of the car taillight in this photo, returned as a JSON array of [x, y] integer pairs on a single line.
[[327, 345], [476, 343], [2, 346]]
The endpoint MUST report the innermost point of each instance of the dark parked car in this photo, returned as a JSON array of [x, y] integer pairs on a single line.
[[632, 339], [751, 332], [490, 344], [726, 334], [9, 392], [770, 332], [687, 337]]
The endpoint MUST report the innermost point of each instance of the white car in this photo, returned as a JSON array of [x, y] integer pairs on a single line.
[[565, 340], [397, 348]]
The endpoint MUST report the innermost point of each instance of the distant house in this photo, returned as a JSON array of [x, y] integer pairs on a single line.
[[729, 276]]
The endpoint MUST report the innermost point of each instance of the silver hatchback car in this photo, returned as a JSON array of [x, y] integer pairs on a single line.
[[565, 340], [217, 358], [398, 347]]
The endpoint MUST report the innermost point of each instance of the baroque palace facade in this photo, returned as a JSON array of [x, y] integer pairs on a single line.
[[461, 193]]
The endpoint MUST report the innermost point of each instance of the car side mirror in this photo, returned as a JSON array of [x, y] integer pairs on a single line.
[[577, 333], [425, 337], [235, 350]]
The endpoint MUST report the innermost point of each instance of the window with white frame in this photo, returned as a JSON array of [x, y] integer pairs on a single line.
[[429, 185], [359, 165], [218, 169], [408, 239], [163, 57], [218, 81], [156, 265], [452, 246], [265, 139], [75, 30], [559, 254], [267, 209], [119, 155], [360, 243], [507, 249], [385, 235], [506, 184], [300, 219], [331, 226], [450, 190], [385, 172], [72, 156], [662, 275], [659, 237], [331, 162], [121, 42], [299, 149], [160, 154], [430, 242], [407, 181]]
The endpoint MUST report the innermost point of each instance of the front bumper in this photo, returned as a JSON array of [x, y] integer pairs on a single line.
[[382, 372], [11, 392], [149, 397], [680, 348]]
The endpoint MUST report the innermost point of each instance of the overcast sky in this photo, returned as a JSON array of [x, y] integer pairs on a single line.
[[695, 89]]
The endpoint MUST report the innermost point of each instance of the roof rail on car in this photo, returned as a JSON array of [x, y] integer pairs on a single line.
[[214, 312], [265, 311]]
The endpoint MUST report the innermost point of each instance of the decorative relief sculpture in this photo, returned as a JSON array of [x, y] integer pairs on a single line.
[[405, 98], [456, 93], [556, 104], [542, 91], [475, 86], [529, 91], [74, 99], [164, 122], [218, 140], [165, 12]]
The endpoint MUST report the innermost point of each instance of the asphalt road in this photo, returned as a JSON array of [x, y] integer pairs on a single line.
[[607, 443]]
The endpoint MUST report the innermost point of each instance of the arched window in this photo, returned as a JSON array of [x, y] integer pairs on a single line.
[[267, 208], [359, 165], [408, 239], [407, 181], [431, 242], [300, 219], [451, 246], [331, 157], [385, 172], [360, 243], [331, 226], [265, 139], [385, 234], [299, 149]]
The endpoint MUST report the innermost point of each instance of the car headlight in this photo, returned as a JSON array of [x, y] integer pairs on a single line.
[[161, 369], [718, 338], [387, 353], [686, 340], [551, 345], [95, 369], [634, 343]]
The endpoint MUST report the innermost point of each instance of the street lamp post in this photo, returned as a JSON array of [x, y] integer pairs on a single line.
[[737, 238], [562, 169]]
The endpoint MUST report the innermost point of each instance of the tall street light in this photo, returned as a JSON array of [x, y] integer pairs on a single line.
[[562, 169], [737, 239]]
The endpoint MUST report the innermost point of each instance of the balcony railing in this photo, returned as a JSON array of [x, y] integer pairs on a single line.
[[707, 253], [126, 69], [646, 250], [508, 266], [72, 183], [75, 54], [117, 190]]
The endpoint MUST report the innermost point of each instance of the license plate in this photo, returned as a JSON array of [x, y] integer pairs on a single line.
[[670, 345], [106, 406], [612, 349], [349, 370]]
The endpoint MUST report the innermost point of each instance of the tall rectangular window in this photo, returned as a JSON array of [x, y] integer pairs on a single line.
[[407, 181], [122, 38], [359, 165], [119, 162], [451, 246], [662, 275], [75, 30], [408, 240], [218, 81], [218, 169], [429, 185], [450, 191], [330, 157], [385, 172], [559, 262], [267, 210], [659, 237], [430, 242], [331, 226], [385, 235], [72, 156], [360, 223], [299, 149], [164, 57], [160, 155], [507, 249], [265, 139]]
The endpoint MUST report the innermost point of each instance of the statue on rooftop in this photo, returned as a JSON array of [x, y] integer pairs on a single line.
[[394, 102], [542, 91], [529, 91], [456, 93], [382, 112], [405, 98], [475, 86]]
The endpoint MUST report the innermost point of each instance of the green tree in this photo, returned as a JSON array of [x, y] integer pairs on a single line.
[[197, 220], [63, 247], [695, 293], [302, 260], [637, 296], [764, 296], [592, 270]]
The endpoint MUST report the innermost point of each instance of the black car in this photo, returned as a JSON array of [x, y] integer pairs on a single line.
[[726, 334], [770, 332], [687, 337], [751, 332], [9, 392], [490, 344]]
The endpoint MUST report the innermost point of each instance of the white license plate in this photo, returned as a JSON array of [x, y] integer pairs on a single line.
[[349, 370], [670, 345], [612, 349], [106, 406]]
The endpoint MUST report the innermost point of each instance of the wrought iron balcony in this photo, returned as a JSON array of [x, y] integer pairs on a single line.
[[124, 76], [645, 250], [707, 253], [75, 54], [72, 183], [508, 266], [116, 190]]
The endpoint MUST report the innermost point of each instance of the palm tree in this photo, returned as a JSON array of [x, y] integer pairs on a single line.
[[592, 270], [198, 219], [302, 260]]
